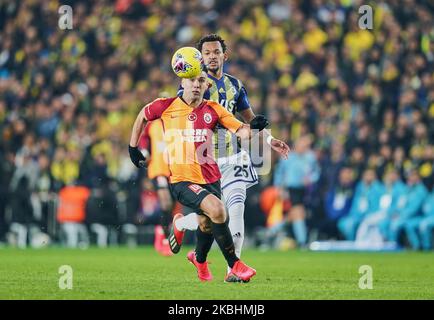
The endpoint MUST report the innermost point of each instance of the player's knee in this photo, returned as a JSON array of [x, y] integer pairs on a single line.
[[218, 214], [205, 225]]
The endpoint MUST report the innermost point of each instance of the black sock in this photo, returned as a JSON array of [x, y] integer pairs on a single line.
[[223, 238], [203, 245], [166, 218]]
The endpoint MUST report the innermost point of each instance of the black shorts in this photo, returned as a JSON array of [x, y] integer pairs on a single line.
[[191, 194], [296, 196], [160, 182]]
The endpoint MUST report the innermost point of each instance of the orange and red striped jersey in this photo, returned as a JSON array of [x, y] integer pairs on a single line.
[[153, 140], [188, 134]]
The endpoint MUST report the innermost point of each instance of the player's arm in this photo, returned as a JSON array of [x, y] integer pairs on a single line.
[[241, 130], [245, 110], [150, 112], [138, 126], [136, 155], [277, 145]]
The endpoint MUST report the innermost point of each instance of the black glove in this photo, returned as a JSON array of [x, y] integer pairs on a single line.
[[137, 157], [259, 122]]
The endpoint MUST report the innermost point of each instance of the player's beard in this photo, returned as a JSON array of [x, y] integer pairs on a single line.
[[215, 69]]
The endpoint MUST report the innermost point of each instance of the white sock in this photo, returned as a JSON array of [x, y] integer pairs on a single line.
[[235, 204], [188, 222]]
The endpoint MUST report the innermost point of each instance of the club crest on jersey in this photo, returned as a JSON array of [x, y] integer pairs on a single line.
[[207, 118], [195, 188], [192, 117]]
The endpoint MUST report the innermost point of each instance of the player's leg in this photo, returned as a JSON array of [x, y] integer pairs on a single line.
[[207, 199], [166, 203], [204, 237], [214, 208], [187, 222], [297, 215], [235, 196]]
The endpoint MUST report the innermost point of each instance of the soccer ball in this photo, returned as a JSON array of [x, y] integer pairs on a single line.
[[187, 62]]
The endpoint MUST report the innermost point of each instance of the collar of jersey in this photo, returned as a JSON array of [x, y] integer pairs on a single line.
[[215, 79], [199, 106]]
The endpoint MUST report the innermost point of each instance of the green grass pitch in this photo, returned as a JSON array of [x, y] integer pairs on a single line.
[[122, 273]]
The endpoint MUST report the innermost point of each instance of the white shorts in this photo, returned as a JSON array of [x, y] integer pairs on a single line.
[[237, 169]]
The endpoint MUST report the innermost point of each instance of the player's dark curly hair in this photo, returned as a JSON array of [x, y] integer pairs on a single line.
[[211, 38]]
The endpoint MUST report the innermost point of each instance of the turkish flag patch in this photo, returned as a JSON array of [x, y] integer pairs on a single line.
[[195, 188]]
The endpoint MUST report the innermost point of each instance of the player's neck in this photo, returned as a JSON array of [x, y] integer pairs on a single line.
[[218, 74], [192, 101]]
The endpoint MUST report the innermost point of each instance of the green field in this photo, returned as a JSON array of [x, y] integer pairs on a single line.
[[122, 273]]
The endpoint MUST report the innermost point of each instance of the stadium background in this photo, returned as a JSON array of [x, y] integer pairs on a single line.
[[68, 98]]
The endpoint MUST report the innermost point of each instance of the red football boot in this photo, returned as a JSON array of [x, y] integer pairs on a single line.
[[176, 236], [243, 271], [203, 272]]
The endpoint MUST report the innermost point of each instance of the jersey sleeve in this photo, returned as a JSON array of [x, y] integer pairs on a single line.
[[226, 119], [155, 109], [242, 101]]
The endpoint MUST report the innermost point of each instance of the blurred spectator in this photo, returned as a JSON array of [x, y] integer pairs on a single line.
[[43, 192], [102, 214], [22, 212], [415, 196], [294, 175], [365, 201], [392, 198], [71, 215], [419, 229], [6, 172], [147, 212], [337, 203]]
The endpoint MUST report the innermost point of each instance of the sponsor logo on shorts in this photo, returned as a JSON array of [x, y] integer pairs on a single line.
[[195, 188]]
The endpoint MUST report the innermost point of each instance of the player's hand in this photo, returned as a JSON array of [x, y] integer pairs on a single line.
[[280, 147], [137, 157], [259, 122]]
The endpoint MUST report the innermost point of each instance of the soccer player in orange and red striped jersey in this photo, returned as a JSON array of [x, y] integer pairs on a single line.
[[152, 139], [188, 123]]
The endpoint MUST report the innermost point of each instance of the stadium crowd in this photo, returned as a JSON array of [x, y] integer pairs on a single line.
[[359, 104]]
